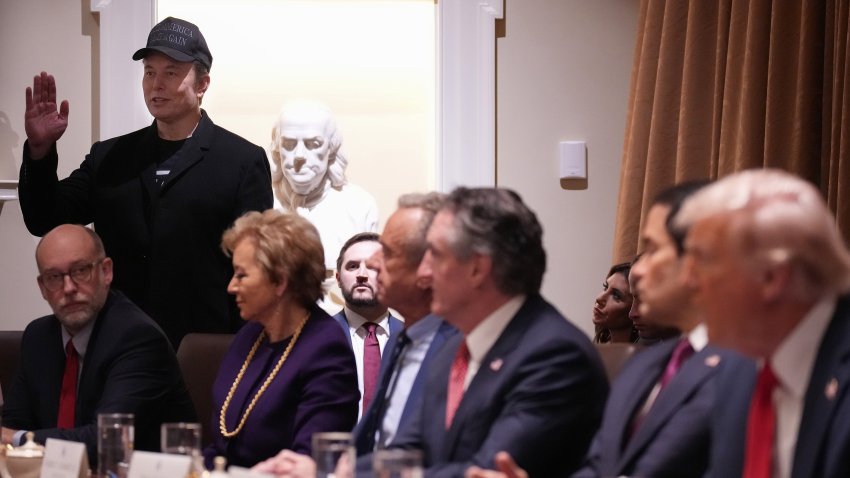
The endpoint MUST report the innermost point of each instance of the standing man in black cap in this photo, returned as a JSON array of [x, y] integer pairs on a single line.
[[160, 197]]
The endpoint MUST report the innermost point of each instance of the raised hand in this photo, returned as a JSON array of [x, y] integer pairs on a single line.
[[43, 123]]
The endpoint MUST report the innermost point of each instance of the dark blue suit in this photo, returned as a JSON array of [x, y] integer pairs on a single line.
[[673, 438], [538, 394], [823, 440], [372, 419]]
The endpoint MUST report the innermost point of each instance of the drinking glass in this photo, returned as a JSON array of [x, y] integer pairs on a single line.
[[334, 455], [114, 444], [183, 438], [397, 463]]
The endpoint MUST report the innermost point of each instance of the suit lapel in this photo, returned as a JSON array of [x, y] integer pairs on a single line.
[[192, 151], [483, 387], [637, 386], [827, 386], [394, 325], [691, 377], [444, 332], [54, 369]]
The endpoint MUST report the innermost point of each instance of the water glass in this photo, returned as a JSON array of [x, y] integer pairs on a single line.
[[114, 444], [334, 455], [181, 438], [397, 463]]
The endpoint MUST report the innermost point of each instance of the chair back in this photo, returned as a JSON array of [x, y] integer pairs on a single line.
[[10, 356], [614, 356], [199, 357]]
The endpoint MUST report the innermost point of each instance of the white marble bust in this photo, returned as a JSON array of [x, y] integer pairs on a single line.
[[309, 176]]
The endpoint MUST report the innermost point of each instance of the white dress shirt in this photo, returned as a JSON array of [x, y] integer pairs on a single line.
[[792, 364], [485, 334]]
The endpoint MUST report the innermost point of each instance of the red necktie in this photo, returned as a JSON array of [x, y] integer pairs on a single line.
[[68, 395], [457, 377], [761, 425], [371, 363]]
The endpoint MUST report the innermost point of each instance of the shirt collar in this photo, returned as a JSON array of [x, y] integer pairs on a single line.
[[355, 320], [793, 360], [81, 338], [422, 328], [698, 337], [484, 335]]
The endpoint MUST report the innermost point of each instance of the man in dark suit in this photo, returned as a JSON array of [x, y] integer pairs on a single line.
[[159, 197], [657, 421], [366, 321], [97, 353], [519, 377], [410, 352], [771, 274]]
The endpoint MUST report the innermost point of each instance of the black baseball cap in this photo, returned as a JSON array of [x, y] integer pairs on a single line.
[[178, 39]]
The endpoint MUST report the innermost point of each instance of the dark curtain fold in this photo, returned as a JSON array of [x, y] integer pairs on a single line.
[[720, 86]]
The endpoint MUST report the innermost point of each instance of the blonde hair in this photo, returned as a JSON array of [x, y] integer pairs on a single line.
[[777, 218], [287, 247]]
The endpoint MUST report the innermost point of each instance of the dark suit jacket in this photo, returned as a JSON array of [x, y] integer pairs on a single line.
[[539, 395], [673, 438], [823, 441], [373, 418], [129, 367], [164, 241], [315, 390]]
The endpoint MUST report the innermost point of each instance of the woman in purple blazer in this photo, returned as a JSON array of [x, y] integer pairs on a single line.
[[289, 372]]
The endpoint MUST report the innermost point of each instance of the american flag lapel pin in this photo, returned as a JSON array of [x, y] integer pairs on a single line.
[[831, 389], [712, 360], [496, 364]]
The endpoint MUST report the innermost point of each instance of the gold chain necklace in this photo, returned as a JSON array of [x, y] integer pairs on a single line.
[[221, 423]]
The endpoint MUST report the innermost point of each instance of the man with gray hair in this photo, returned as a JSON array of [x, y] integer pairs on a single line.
[[408, 353], [771, 275], [519, 377]]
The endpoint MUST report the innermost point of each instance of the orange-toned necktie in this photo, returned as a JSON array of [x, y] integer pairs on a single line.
[[761, 426], [68, 395], [457, 377]]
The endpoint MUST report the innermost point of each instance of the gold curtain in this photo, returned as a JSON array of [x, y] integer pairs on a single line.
[[723, 85]]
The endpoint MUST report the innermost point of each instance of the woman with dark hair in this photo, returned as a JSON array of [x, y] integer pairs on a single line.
[[289, 372], [611, 308]]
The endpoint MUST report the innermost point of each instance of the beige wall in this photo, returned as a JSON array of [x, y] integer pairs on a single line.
[[563, 74], [38, 35]]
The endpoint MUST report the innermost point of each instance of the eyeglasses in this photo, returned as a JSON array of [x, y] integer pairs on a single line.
[[79, 274]]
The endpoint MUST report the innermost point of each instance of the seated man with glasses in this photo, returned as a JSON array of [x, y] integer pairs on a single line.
[[97, 353]]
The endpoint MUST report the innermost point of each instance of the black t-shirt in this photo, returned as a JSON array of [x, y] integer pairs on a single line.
[[168, 155]]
